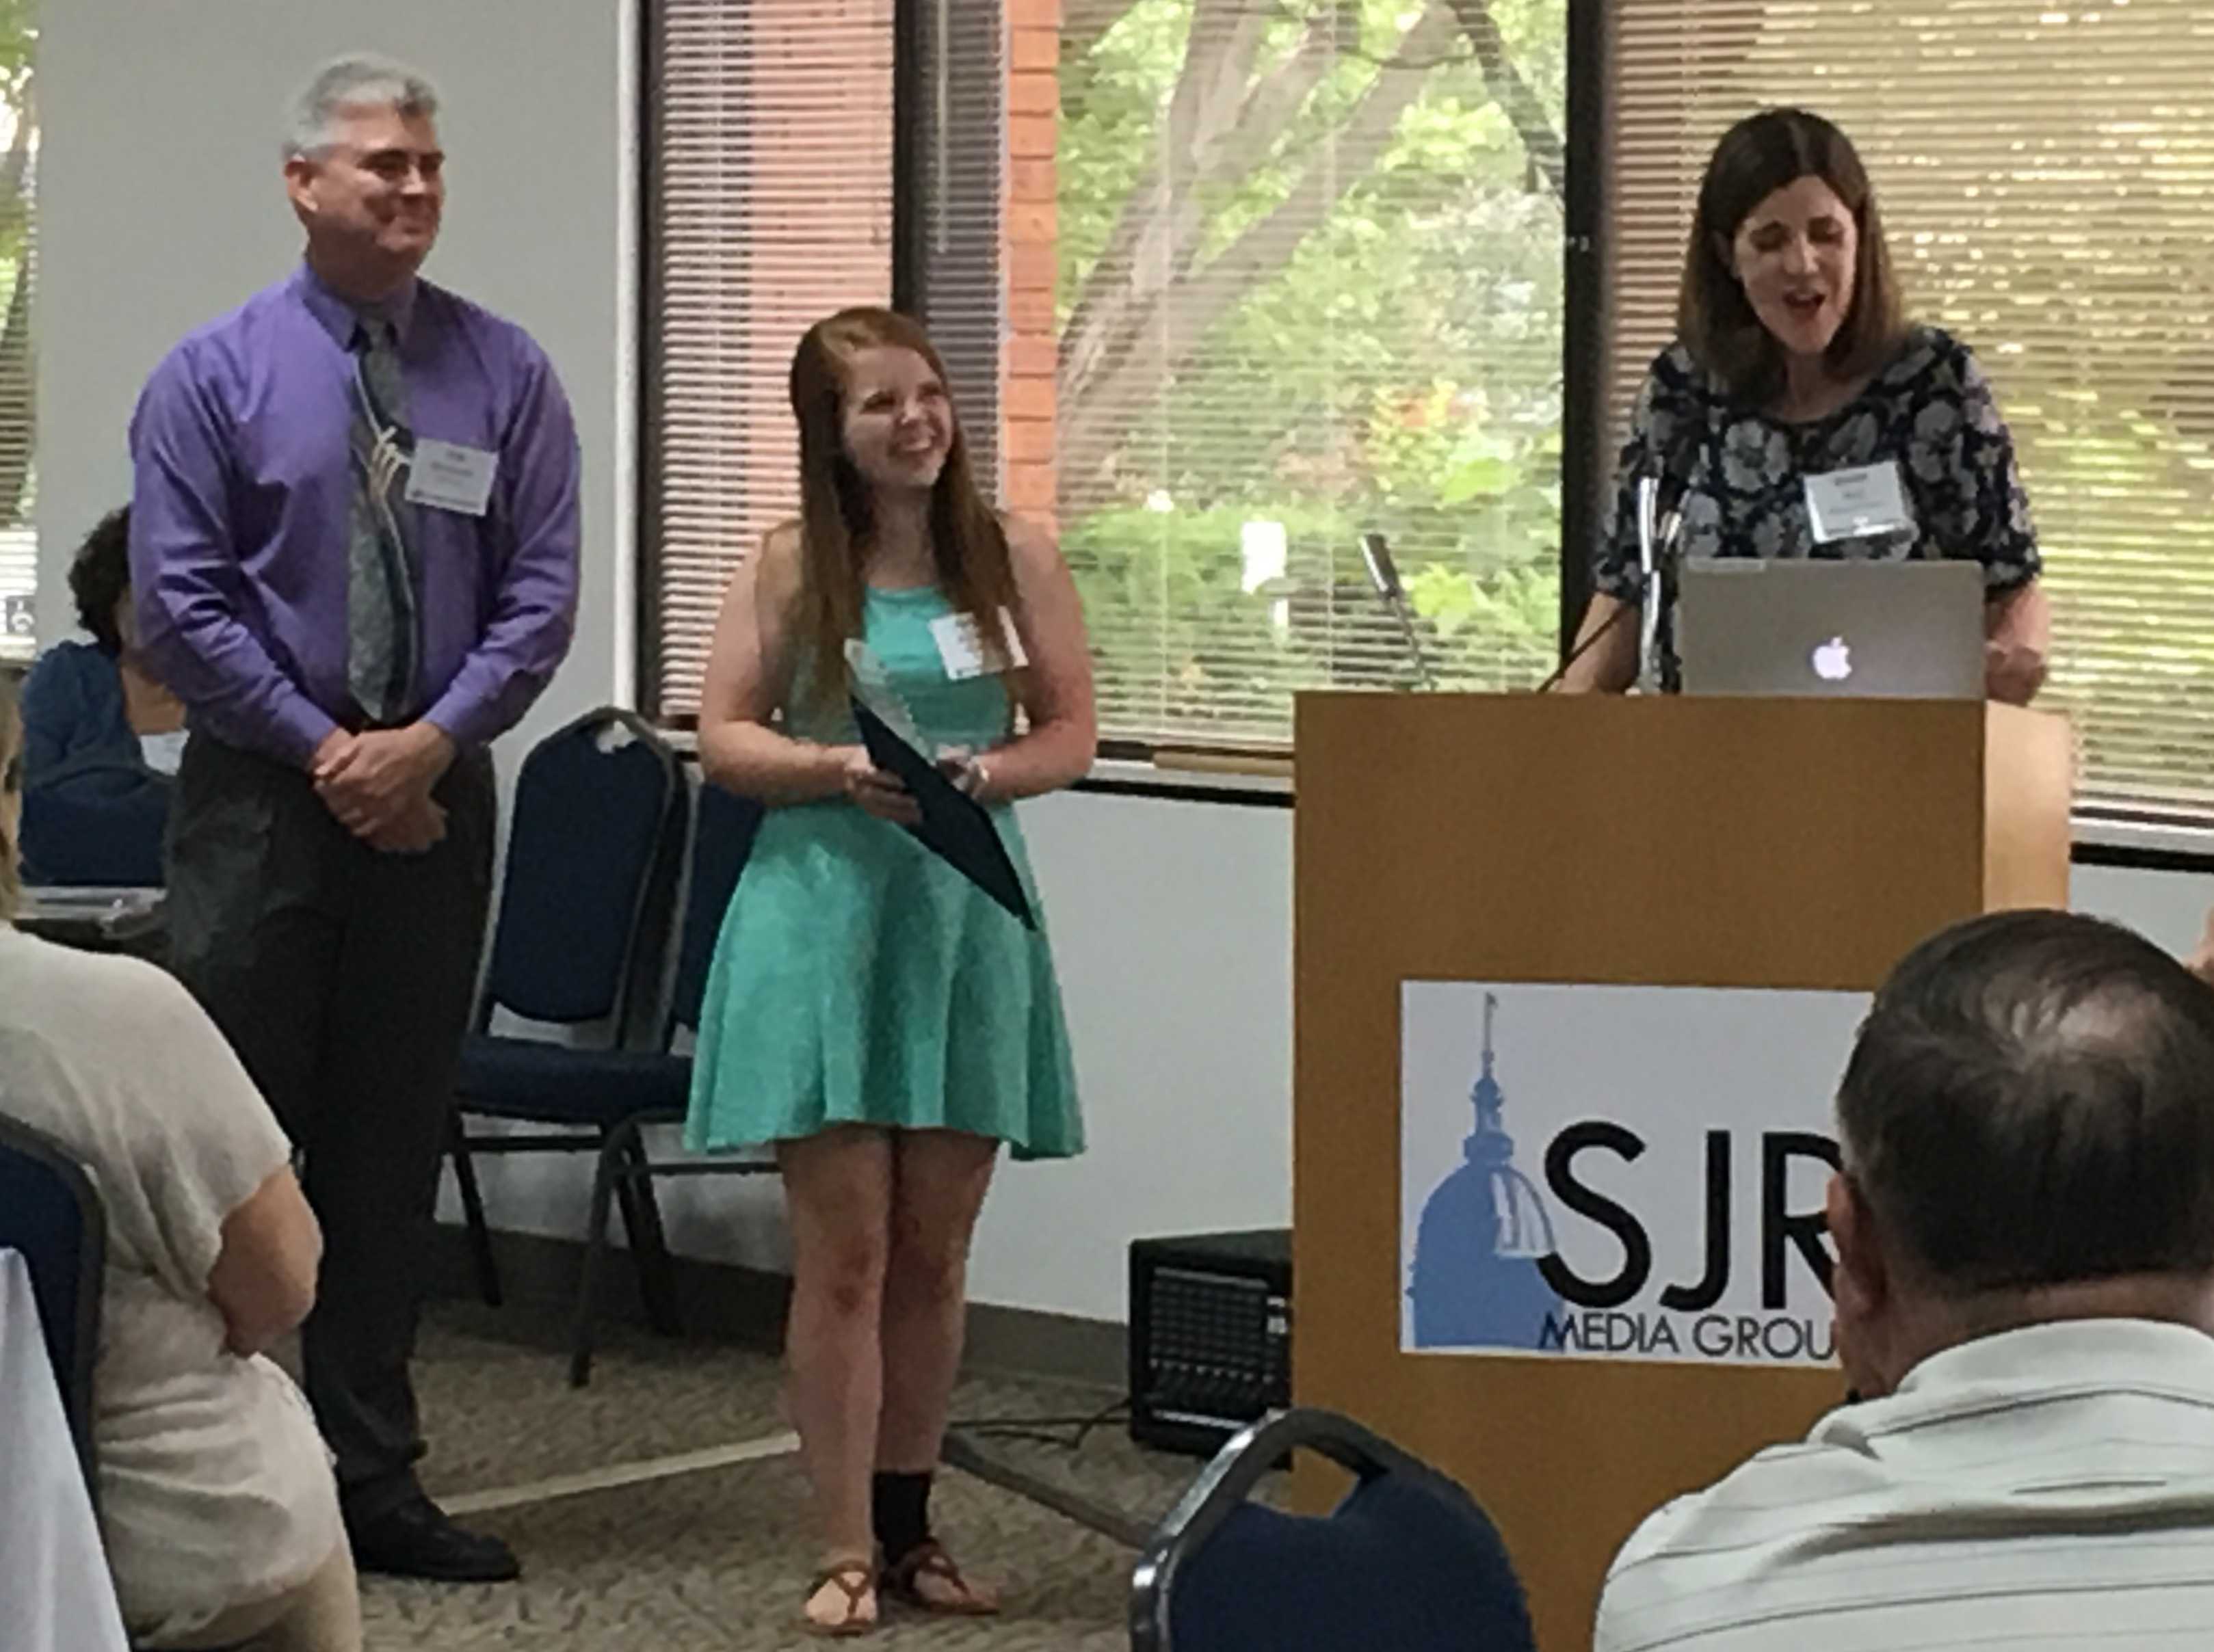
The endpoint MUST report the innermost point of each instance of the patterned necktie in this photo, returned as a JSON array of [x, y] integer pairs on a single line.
[[382, 644]]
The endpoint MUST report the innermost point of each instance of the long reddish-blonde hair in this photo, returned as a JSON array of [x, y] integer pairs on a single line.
[[967, 544]]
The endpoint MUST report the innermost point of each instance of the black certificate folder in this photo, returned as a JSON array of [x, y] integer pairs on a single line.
[[955, 827]]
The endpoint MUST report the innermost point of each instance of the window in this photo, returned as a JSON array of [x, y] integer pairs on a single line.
[[954, 265], [770, 205], [2046, 175], [18, 155], [1222, 285], [805, 155], [1225, 285], [1309, 287]]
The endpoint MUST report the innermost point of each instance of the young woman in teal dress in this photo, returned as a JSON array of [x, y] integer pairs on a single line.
[[869, 1011]]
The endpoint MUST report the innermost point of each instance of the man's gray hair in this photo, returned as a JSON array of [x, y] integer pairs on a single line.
[[356, 81]]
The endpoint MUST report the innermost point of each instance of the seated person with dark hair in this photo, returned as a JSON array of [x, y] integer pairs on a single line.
[[2025, 1291], [101, 737]]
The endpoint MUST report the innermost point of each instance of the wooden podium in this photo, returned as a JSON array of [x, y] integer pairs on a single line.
[[1688, 842]]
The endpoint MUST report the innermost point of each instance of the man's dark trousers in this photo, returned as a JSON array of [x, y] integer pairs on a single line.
[[342, 976]]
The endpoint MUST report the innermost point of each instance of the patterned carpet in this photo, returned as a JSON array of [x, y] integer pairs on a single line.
[[714, 1558]]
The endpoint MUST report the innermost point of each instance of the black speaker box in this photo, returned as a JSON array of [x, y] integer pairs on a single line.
[[1210, 1335]]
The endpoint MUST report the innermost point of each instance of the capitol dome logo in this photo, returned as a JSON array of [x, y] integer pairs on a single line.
[[1476, 1281]]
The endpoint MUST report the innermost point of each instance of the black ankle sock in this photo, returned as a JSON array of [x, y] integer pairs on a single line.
[[899, 1510]]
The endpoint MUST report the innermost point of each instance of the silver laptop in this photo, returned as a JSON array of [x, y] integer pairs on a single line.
[[1906, 630]]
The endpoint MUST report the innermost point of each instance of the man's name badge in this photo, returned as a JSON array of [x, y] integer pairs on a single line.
[[451, 477]]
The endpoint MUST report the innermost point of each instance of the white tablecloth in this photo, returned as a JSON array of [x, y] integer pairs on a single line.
[[55, 1596]]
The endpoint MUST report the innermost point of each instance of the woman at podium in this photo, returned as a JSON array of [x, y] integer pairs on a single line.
[[1794, 383]]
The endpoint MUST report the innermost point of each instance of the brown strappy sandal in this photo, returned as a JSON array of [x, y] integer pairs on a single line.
[[929, 1557], [857, 1580]]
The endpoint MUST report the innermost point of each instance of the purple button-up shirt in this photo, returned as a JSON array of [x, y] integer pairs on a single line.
[[243, 499]]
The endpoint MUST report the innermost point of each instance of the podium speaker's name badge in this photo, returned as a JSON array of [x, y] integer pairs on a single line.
[[961, 644], [451, 477], [1864, 503]]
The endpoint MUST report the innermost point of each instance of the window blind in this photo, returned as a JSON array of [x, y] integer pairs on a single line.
[[1309, 287], [2047, 177], [19, 537], [769, 195], [954, 261]]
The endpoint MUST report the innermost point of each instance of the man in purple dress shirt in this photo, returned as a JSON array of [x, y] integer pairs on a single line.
[[353, 546]]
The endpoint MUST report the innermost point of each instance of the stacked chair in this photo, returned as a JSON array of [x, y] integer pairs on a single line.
[[596, 860]]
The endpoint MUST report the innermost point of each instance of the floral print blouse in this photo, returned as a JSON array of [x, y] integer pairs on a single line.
[[1931, 410]]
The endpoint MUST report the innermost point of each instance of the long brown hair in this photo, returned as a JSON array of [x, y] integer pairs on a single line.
[[1757, 156], [968, 544]]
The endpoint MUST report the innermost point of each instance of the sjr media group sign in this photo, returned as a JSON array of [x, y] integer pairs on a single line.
[[1618, 1173]]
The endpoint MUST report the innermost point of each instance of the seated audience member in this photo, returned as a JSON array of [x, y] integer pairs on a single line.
[[101, 737], [217, 1503], [2025, 1292]]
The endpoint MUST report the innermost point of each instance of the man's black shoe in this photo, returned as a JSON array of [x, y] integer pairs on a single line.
[[417, 1540]]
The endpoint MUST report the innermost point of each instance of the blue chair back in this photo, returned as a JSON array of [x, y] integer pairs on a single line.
[[96, 827], [723, 830], [50, 1213], [593, 848], [1407, 1561]]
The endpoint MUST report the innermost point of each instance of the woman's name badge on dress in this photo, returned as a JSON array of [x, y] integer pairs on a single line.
[[961, 644], [1863, 502], [450, 476]]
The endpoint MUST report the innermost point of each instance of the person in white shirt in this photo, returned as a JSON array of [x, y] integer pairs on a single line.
[[2025, 1295], [218, 1507]]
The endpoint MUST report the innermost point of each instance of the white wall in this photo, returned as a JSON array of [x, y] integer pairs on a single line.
[[2169, 907], [160, 208], [1173, 928]]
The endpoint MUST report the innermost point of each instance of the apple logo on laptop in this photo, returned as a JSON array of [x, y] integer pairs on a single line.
[[1833, 661]]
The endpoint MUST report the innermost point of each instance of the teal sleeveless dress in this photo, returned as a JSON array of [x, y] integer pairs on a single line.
[[860, 979]]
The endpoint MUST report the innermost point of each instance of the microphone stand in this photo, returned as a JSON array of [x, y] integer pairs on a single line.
[[1383, 578], [1659, 669]]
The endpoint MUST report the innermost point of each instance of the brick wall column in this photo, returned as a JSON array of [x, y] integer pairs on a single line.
[[1030, 257]]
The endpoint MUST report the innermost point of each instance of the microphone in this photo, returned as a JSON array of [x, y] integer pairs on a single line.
[[1659, 498], [1384, 579]]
